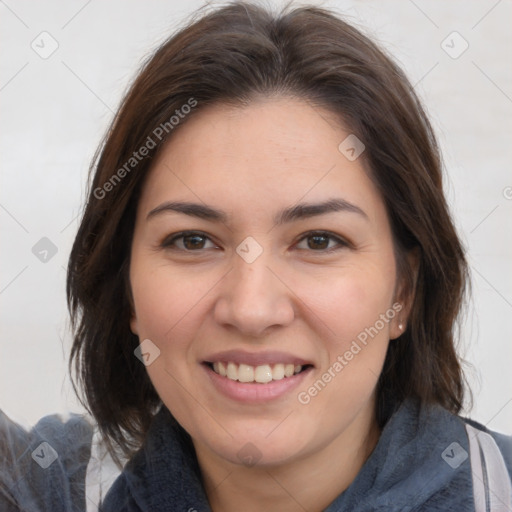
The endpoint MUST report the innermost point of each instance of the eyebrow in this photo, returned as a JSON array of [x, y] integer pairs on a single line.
[[293, 213]]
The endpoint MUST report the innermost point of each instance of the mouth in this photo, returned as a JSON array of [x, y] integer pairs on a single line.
[[260, 374], [255, 377]]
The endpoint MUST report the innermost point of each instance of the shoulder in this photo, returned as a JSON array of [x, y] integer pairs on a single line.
[[60, 436], [44, 466]]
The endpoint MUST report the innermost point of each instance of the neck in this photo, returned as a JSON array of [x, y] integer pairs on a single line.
[[297, 485]]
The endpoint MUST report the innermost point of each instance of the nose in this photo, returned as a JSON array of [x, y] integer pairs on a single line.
[[253, 299]]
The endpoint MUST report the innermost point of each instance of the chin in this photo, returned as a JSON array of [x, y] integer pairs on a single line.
[[259, 447]]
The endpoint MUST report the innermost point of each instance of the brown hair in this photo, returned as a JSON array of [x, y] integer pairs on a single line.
[[233, 54]]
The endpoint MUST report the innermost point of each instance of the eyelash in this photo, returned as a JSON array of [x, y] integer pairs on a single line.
[[169, 242]]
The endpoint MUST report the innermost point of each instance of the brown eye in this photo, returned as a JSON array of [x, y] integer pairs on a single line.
[[318, 242], [188, 241], [322, 241], [192, 242]]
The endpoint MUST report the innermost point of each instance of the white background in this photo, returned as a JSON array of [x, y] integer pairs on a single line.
[[55, 110]]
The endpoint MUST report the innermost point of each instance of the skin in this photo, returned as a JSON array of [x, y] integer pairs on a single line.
[[297, 297]]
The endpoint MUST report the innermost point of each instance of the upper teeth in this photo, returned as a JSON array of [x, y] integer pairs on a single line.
[[262, 374]]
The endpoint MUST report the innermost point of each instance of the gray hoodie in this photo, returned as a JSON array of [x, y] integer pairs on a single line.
[[422, 462]]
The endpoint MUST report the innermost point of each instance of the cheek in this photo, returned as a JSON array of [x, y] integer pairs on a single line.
[[353, 314], [154, 304], [168, 306], [351, 301], [355, 343]]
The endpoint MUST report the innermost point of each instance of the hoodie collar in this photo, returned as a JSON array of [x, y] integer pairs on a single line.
[[419, 463]]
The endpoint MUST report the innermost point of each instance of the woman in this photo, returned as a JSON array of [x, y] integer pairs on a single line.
[[266, 279]]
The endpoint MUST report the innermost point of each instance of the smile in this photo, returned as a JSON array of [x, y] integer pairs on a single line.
[[255, 377], [261, 374]]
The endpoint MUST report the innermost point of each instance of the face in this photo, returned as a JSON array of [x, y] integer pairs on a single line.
[[263, 274]]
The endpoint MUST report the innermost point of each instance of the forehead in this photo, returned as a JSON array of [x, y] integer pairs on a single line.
[[273, 150]]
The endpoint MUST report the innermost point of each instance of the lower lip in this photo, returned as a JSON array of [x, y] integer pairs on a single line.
[[255, 392]]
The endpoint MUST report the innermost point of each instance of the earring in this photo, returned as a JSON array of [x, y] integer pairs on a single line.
[[400, 325]]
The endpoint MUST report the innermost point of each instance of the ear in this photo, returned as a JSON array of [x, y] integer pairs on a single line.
[[134, 326], [405, 292]]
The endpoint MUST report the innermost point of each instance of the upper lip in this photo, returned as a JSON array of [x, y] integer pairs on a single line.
[[256, 358]]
